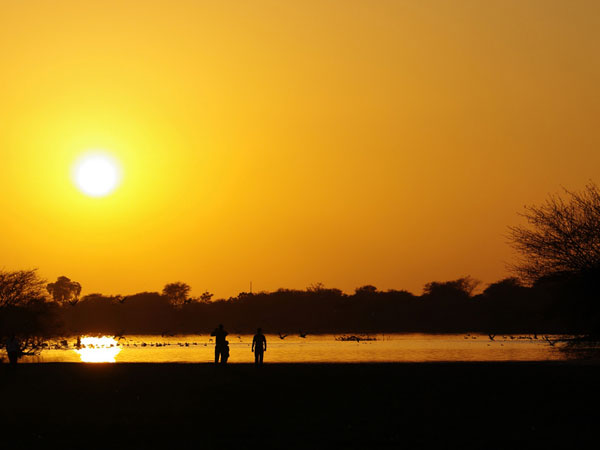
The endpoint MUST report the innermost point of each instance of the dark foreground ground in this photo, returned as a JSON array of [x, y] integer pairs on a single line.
[[301, 406]]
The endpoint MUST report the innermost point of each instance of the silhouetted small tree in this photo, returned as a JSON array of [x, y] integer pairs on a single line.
[[316, 287], [503, 288], [462, 287], [365, 290], [206, 297], [64, 291], [177, 293], [562, 236]]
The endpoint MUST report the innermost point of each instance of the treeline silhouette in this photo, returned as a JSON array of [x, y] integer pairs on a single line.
[[554, 305]]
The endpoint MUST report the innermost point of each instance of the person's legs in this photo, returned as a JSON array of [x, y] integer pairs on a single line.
[[13, 358], [217, 353], [256, 358]]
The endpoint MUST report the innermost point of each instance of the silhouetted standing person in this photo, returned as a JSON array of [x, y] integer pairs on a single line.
[[13, 349], [220, 344], [259, 347]]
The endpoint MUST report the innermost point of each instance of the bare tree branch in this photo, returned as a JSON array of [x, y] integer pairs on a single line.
[[561, 236]]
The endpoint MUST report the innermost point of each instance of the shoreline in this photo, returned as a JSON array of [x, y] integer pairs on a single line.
[[566, 362]]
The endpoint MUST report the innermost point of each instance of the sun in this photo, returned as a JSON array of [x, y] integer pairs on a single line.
[[97, 174]]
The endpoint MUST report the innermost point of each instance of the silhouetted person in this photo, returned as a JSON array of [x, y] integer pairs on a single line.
[[259, 347], [13, 349], [220, 343]]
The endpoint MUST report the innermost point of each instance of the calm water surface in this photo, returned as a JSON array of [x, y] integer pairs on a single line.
[[315, 348]]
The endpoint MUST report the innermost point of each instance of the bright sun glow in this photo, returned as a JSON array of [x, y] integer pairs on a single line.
[[98, 349], [97, 174]]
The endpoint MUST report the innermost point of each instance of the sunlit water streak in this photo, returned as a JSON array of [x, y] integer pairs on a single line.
[[97, 349], [314, 348]]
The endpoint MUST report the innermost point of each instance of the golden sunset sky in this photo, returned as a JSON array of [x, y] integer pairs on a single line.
[[289, 142]]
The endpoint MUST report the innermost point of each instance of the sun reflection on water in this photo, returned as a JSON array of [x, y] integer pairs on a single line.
[[98, 349]]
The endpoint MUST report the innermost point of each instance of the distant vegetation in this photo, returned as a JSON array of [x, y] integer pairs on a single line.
[[556, 290], [451, 306]]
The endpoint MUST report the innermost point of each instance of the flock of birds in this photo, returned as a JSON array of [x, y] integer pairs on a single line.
[[63, 344], [512, 338], [119, 336], [300, 333], [493, 336]]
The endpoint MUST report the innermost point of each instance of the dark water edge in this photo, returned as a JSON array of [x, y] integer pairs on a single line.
[[301, 406]]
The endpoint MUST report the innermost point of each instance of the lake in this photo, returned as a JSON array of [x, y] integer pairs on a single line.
[[326, 348]]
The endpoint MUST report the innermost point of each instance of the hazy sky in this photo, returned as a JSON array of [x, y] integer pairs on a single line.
[[289, 142]]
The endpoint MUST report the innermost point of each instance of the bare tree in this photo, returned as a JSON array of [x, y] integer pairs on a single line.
[[24, 310], [562, 236], [177, 293], [20, 288], [64, 291]]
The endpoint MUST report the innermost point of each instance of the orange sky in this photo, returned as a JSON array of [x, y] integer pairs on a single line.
[[288, 143]]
